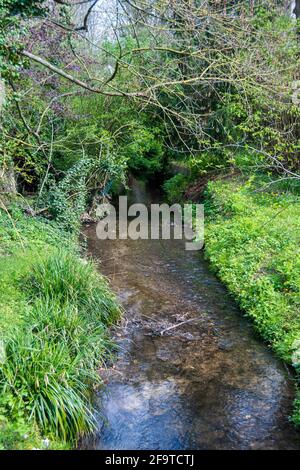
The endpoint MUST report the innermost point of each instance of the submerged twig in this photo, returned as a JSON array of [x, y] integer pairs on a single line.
[[177, 325]]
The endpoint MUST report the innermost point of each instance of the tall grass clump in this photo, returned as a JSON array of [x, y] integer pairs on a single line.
[[66, 278], [50, 364]]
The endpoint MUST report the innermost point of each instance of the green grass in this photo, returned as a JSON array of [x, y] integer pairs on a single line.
[[252, 241], [55, 311]]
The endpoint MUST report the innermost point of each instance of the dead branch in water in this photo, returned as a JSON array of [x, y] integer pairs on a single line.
[[177, 325]]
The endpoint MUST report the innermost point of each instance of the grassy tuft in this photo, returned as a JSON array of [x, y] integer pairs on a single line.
[[67, 278]]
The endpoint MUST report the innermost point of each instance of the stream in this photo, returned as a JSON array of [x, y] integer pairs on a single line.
[[190, 372]]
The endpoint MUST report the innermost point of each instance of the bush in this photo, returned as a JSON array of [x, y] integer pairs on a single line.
[[175, 187], [144, 152], [252, 242]]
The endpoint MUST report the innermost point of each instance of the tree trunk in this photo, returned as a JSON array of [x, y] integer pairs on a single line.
[[7, 177], [2, 93], [297, 8], [7, 181]]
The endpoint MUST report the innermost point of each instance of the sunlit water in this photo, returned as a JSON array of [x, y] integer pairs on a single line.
[[207, 384]]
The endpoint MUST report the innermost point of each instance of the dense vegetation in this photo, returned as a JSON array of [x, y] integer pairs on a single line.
[[55, 310], [190, 91], [252, 241]]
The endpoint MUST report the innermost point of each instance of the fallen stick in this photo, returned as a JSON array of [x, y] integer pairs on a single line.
[[177, 325]]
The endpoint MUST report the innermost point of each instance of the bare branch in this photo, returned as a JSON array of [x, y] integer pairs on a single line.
[[78, 82]]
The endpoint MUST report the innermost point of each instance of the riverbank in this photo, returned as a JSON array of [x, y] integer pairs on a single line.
[[252, 243], [55, 313]]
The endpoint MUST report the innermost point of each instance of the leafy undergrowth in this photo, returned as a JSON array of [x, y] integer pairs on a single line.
[[252, 241], [55, 310]]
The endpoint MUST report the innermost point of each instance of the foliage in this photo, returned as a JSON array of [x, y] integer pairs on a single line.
[[12, 14], [254, 127], [145, 151], [174, 187], [110, 128], [208, 84], [66, 200], [296, 414], [252, 242], [19, 434], [54, 327], [215, 92], [68, 280]]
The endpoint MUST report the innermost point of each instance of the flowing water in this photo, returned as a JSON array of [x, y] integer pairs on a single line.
[[205, 383]]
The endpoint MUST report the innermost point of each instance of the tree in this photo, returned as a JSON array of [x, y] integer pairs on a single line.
[[180, 59]]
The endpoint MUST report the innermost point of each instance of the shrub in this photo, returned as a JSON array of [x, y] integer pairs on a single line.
[[175, 187], [252, 242], [144, 151]]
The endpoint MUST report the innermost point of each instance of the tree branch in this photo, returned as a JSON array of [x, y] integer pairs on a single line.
[[86, 18], [78, 82]]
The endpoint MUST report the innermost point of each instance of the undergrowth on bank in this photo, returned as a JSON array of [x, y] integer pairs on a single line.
[[55, 310], [252, 241]]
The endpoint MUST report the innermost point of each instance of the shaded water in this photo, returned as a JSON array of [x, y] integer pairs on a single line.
[[206, 384]]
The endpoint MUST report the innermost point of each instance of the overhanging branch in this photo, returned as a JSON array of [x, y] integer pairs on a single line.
[[78, 82]]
